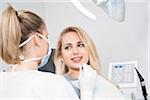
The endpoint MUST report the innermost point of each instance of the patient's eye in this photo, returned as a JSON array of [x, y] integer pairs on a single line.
[[67, 47], [81, 45]]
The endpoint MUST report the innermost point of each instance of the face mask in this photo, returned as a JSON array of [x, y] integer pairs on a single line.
[[43, 59]]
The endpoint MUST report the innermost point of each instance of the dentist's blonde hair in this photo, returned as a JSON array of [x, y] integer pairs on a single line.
[[93, 55], [15, 28]]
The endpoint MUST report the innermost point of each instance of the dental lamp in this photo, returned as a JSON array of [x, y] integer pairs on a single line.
[[115, 9]]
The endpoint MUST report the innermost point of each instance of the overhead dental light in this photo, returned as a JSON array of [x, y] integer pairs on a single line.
[[115, 9]]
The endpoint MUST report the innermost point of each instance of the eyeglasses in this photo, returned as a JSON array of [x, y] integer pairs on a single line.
[[26, 41], [43, 37]]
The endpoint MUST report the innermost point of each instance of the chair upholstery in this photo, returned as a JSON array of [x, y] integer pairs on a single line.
[[49, 67]]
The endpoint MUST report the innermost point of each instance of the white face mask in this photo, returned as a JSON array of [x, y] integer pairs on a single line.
[[43, 59]]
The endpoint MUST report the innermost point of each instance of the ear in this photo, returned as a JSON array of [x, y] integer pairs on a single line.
[[61, 59], [37, 40]]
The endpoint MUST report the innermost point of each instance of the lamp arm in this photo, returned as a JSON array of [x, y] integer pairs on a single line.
[[97, 2], [78, 5]]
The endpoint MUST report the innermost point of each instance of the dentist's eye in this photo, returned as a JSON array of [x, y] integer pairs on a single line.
[[47, 37]]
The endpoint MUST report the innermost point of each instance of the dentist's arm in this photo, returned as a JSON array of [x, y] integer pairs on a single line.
[[87, 81]]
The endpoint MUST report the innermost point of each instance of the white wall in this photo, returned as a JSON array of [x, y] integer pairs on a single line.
[[149, 45], [115, 41]]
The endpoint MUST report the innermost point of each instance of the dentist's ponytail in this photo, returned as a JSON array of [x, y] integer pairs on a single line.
[[10, 35], [15, 28]]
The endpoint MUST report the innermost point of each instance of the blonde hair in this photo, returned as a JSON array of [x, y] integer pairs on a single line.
[[15, 28], [93, 55]]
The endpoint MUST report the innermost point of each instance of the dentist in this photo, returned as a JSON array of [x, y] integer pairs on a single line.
[[24, 45]]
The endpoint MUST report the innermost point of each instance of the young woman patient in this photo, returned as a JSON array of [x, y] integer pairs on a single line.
[[77, 60]]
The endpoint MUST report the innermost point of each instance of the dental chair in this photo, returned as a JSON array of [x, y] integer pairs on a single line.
[[49, 67]]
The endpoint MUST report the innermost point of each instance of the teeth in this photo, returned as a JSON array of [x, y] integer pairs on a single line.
[[76, 59]]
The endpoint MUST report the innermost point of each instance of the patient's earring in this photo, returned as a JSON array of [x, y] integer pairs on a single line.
[[61, 60]]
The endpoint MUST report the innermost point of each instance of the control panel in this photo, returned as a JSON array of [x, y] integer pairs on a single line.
[[123, 74]]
